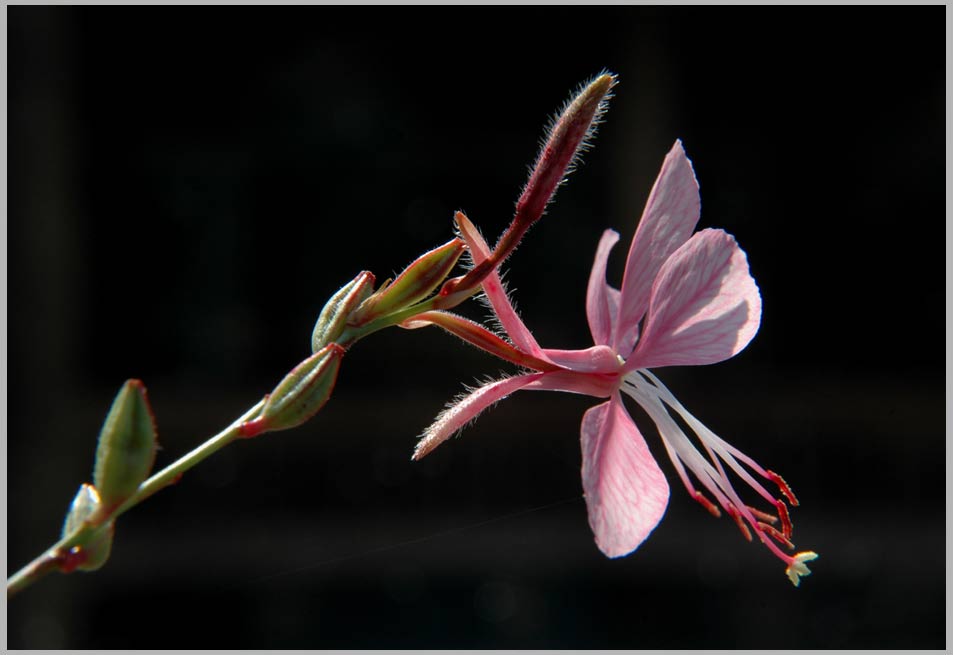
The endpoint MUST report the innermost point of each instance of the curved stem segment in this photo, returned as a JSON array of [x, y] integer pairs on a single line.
[[57, 557], [39, 567]]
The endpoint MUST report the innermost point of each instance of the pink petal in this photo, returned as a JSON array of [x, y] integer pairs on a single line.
[[596, 385], [493, 288], [467, 408], [705, 306], [668, 221], [597, 359], [626, 492], [602, 306]]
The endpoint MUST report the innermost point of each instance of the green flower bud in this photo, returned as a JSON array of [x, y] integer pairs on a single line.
[[415, 283], [301, 394], [93, 554], [333, 317], [127, 446]]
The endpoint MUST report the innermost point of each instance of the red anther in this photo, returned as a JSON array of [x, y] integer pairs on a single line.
[[780, 538], [736, 515], [71, 559], [251, 429], [786, 524], [764, 516], [783, 486], [707, 504]]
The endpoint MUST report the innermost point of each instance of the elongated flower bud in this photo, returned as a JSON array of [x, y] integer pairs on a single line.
[[300, 395], [569, 135], [127, 446], [415, 283], [333, 318], [91, 555]]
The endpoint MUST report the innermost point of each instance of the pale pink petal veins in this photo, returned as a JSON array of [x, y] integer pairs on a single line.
[[626, 492], [602, 306], [669, 219], [705, 306], [493, 288]]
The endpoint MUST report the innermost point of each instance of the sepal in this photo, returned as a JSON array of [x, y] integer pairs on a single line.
[[333, 318], [414, 284], [300, 395]]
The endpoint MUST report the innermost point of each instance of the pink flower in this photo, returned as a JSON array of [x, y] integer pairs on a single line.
[[696, 303]]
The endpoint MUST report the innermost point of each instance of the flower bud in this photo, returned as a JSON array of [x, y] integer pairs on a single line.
[[415, 283], [301, 394], [127, 446], [568, 136], [92, 555], [333, 317]]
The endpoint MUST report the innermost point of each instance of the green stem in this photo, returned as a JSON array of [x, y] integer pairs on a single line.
[[352, 334], [36, 569], [171, 473], [50, 560]]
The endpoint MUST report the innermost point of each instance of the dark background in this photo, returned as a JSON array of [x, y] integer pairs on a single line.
[[187, 187]]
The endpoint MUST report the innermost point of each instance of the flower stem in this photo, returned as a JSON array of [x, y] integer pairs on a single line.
[[35, 570], [53, 558], [171, 473], [352, 334]]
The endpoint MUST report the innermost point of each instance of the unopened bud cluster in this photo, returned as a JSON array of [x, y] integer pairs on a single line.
[[414, 284], [357, 309], [124, 458], [304, 391]]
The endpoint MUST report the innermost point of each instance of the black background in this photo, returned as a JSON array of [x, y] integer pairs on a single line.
[[187, 187]]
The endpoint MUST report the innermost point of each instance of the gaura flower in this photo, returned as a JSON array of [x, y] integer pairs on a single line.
[[696, 303]]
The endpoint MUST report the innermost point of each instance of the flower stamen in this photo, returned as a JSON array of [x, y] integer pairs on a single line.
[[771, 531], [763, 516], [786, 523], [783, 486], [736, 515], [707, 504]]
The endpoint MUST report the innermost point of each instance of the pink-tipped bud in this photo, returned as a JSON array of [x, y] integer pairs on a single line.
[[414, 284], [300, 395], [333, 318]]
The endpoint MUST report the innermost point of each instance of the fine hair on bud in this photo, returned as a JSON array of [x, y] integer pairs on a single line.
[[585, 143]]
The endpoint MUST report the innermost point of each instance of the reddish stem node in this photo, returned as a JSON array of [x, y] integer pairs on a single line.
[[251, 429], [71, 559]]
